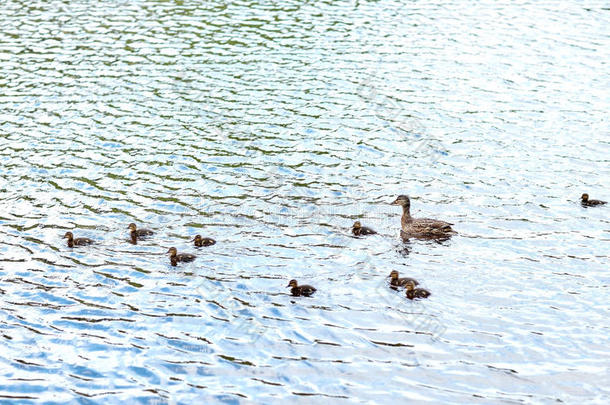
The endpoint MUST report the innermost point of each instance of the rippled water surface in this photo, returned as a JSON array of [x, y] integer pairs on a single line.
[[272, 127]]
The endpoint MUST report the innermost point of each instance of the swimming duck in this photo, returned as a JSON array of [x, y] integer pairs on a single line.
[[298, 290], [413, 292], [138, 233], [78, 241], [199, 241], [423, 228], [358, 229], [590, 203], [400, 282], [174, 257]]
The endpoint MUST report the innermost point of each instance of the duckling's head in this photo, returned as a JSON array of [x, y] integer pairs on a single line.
[[402, 200], [584, 197], [357, 225], [172, 252], [197, 239], [410, 285], [393, 274], [292, 283], [132, 227], [68, 235]]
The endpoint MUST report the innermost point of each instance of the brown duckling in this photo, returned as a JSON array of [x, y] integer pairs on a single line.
[[400, 282], [590, 203], [174, 257], [200, 242], [78, 241], [413, 292], [423, 228], [298, 290], [358, 229], [138, 233]]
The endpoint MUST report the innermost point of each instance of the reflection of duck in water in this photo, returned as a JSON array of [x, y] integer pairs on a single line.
[[413, 292], [72, 241], [298, 290], [590, 203], [138, 233], [422, 228], [200, 242], [402, 281], [358, 229], [174, 257]]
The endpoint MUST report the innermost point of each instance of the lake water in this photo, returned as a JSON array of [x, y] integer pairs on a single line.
[[272, 127]]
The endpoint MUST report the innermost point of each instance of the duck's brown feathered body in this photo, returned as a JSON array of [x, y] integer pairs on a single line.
[[359, 230], [423, 228], [72, 241], [413, 293], [396, 281], [137, 234], [203, 242], [175, 257], [586, 202], [300, 290], [417, 293]]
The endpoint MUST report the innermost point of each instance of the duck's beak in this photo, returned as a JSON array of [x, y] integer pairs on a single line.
[[395, 202], [194, 239], [288, 286]]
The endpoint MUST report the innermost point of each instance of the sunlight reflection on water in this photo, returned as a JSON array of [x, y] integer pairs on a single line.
[[272, 128]]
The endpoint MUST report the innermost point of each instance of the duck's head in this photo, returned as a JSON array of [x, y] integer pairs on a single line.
[[402, 200], [172, 252], [409, 285], [357, 225], [198, 239], [393, 274], [292, 283], [584, 197], [68, 235], [132, 227]]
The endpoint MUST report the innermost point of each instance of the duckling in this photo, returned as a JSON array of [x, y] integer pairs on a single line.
[[413, 292], [423, 228], [199, 241], [138, 233], [358, 229], [400, 282], [298, 290], [590, 203], [78, 241], [174, 257]]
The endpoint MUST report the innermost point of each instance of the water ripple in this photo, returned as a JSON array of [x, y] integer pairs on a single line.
[[272, 127]]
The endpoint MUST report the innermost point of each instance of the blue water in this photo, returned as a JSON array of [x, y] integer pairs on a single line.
[[272, 127]]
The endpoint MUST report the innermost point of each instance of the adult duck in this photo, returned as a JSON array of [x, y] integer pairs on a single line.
[[421, 228]]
